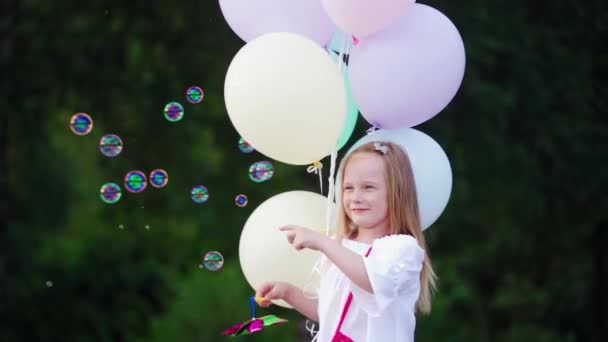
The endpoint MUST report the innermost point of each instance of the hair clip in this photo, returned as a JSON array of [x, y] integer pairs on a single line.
[[381, 147]]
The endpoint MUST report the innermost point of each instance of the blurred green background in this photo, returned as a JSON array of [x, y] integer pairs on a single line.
[[520, 250]]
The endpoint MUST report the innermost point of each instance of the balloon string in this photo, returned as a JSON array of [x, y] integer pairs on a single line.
[[321, 180], [317, 168], [334, 154], [311, 329]]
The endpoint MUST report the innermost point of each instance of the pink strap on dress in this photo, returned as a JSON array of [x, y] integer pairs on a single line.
[[339, 336]]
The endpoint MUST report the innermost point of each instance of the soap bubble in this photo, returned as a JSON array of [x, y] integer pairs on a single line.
[[81, 124], [213, 261], [195, 94], [135, 181], [241, 200], [110, 193], [245, 147], [261, 171], [110, 145], [199, 194], [174, 111], [159, 178]]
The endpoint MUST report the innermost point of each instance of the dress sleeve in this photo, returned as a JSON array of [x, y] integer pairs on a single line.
[[393, 267]]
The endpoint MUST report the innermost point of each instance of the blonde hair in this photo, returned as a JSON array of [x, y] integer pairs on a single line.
[[404, 216]]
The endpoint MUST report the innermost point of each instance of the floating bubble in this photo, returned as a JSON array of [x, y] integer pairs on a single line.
[[199, 194], [159, 178], [49, 283], [147, 227], [135, 181], [241, 200], [195, 94], [245, 147], [120, 226], [110, 145], [213, 261], [110, 193], [174, 111], [81, 124], [261, 171]]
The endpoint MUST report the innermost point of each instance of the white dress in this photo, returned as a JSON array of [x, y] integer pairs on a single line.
[[393, 267]]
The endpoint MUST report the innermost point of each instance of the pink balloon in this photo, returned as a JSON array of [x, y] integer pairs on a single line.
[[408, 73], [252, 18], [364, 17]]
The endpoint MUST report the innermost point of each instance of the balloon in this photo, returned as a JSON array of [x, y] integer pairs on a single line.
[[430, 165], [264, 252], [363, 17], [286, 98], [251, 19], [352, 112], [409, 72]]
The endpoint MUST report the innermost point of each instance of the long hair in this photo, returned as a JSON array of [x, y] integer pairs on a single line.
[[404, 216]]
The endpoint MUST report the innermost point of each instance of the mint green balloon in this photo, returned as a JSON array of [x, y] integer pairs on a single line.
[[352, 111]]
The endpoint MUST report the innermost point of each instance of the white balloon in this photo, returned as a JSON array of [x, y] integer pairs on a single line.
[[286, 97], [264, 252], [430, 165]]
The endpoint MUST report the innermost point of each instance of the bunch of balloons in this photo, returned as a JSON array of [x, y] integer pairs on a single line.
[[287, 96]]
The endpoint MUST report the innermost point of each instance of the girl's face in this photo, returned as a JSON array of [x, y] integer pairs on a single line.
[[364, 194]]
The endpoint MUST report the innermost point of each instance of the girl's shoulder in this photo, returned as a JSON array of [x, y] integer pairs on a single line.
[[396, 240], [399, 245]]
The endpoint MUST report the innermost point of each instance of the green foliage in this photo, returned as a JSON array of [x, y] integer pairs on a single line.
[[519, 250]]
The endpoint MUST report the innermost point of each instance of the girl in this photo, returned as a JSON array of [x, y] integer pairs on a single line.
[[379, 274]]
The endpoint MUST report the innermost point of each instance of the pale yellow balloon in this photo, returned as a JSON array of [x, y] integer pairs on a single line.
[[286, 97], [264, 252]]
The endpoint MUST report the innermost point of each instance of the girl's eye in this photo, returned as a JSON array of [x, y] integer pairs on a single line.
[[369, 186], [348, 188]]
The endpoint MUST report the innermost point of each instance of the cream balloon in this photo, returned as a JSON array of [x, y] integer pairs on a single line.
[[264, 252], [286, 97]]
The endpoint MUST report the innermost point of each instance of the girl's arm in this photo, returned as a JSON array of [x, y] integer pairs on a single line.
[[348, 261], [291, 294], [302, 303], [351, 263]]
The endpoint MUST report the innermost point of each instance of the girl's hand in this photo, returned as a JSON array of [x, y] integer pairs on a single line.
[[301, 237], [272, 291]]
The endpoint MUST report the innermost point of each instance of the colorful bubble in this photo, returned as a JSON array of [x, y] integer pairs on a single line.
[[159, 178], [174, 111], [110, 193], [241, 200], [199, 194], [195, 94], [135, 181], [245, 147], [81, 124], [261, 171], [49, 283], [213, 261], [110, 145]]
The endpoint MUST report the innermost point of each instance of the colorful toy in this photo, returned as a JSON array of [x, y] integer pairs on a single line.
[[254, 324]]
